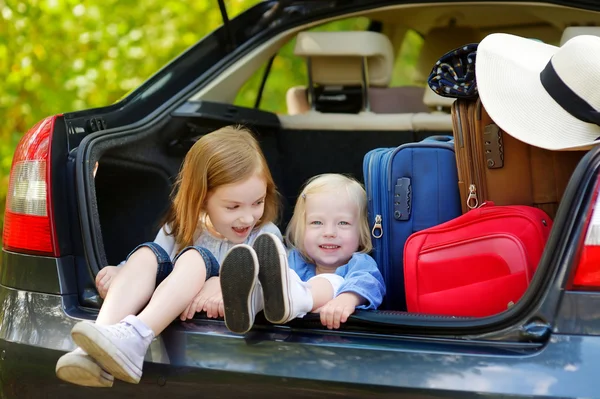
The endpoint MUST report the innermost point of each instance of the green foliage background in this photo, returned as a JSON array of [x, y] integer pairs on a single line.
[[59, 56]]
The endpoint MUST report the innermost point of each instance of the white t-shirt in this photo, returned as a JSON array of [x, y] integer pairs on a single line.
[[217, 246]]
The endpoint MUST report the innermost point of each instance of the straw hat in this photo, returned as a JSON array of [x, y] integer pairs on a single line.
[[543, 95]]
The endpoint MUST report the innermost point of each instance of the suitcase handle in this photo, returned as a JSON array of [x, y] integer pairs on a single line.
[[440, 138]]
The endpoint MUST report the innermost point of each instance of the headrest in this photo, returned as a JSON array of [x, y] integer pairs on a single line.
[[336, 57], [433, 100], [573, 31], [437, 42]]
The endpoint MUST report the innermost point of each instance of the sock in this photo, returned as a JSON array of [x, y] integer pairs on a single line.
[[302, 300], [335, 281], [258, 297]]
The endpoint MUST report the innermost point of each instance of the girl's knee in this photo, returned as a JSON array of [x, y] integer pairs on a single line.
[[143, 253], [195, 258], [191, 261], [144, 257], [191, 257]]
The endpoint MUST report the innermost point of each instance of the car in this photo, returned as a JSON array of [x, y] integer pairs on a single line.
[[63, 222]]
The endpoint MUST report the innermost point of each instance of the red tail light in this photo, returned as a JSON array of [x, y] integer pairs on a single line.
[[587, 273], [28, 223]]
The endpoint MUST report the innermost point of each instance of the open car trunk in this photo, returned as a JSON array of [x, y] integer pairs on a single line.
[[130, 193], [134, 180]]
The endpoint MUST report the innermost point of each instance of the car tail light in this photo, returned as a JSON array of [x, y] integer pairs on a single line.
[[587, 273], [28, 222]]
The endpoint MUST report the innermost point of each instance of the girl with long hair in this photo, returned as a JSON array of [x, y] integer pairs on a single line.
[[224, 196]]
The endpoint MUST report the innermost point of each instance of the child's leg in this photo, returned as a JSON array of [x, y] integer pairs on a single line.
[[273, 277], [242, 297], [129, 292], [120, 348], [193, 267], [77, 367], [286, 296], [133, 285]]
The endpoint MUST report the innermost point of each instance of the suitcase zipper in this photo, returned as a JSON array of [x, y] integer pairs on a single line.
[[477, 148], [377, 226], [464, 120], [374, 206], [377, 202], [472, 201]]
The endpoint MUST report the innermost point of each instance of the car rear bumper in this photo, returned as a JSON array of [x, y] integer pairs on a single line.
[[35, 331], [203, 358]]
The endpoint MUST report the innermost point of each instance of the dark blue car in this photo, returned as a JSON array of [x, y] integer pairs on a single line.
[[63, 224]]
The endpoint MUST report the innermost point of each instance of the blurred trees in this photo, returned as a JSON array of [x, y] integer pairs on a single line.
[[58, 56]]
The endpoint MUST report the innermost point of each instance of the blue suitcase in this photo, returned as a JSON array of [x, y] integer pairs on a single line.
[[409, 188]]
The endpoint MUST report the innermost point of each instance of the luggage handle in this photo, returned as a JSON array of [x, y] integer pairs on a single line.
[[402, 199], [440, 138]]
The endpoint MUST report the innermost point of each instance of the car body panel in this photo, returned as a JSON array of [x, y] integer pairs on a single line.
[[579, 314], [204, 353], [38, 273]]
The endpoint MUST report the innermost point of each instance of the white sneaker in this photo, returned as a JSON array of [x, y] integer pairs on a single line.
[[77, 367], [119, 348], [285, 295], [242, 296]]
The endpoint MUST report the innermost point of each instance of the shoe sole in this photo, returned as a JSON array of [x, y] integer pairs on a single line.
[[103, 351], [238, 276], [82, 370], [273, 276]]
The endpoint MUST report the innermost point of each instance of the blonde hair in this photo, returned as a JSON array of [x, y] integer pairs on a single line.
[[227, 155], [329, 182]]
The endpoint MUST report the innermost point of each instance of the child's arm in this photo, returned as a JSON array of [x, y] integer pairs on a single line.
[[363, 287], [363, 277], [337, 311], [209, 300]]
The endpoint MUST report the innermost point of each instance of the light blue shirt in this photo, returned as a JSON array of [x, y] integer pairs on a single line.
[[361, 276]]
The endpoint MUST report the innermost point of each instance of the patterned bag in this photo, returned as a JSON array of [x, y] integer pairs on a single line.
[[453, 75]]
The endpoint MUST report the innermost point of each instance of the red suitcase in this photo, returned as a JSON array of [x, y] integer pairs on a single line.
[[477, 264]]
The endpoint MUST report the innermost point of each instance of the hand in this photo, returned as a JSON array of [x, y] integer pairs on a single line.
[[104, 277], [337, 311], [209, 300]]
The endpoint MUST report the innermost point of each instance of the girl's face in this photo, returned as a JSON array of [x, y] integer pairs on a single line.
[[332, 229], [234, 209]]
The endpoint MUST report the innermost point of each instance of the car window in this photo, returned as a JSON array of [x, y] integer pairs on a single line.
[[404, 73], [287, 71]]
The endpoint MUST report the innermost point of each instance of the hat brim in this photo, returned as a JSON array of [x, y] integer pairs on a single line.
[[507, 71]]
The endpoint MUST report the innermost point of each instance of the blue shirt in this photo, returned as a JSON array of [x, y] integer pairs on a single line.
[[361, 276]]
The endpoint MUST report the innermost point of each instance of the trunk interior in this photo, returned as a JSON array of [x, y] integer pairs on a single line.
[[134, 180], [136, 173]]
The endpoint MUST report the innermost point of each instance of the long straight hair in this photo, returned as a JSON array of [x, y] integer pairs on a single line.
[[226, 156]]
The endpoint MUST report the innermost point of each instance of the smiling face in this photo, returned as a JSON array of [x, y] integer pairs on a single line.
[[234, 209], [332, 232]]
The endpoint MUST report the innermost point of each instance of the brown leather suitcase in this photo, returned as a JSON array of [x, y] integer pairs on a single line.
[[494, 166]]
